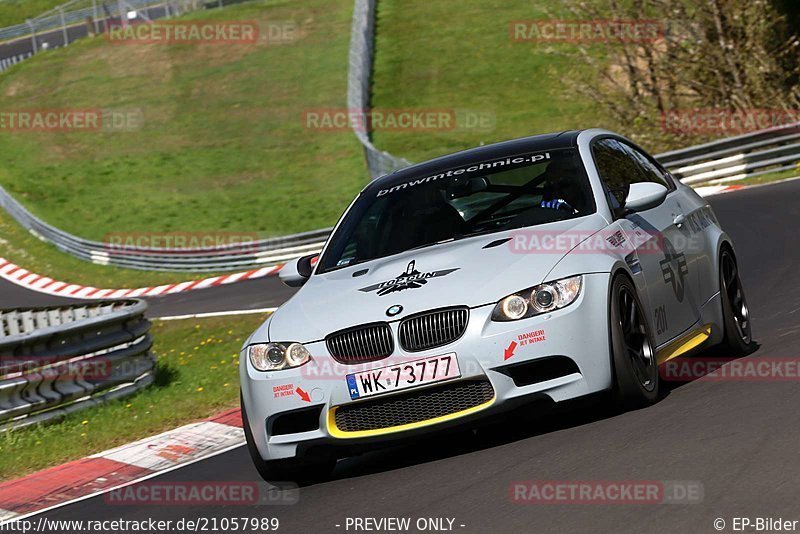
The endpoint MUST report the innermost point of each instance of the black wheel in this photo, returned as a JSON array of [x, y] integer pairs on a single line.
[[735, 313], [635, 365], [301, 470]]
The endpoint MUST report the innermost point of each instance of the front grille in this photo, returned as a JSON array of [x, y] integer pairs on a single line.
[[433, 329], [365, 343], [414, 407]]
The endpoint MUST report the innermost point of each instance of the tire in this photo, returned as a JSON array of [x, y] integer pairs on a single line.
[[738, 337], [299, 470], [634, 363]]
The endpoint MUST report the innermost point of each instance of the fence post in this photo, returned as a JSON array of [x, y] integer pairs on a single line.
[[123, 14], [63, 26], [33, 36], [95, 17]]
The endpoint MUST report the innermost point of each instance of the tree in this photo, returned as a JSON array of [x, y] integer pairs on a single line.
[[730, 55]]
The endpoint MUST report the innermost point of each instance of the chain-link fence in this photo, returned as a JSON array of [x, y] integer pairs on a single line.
[[362, 48], [77, 19]]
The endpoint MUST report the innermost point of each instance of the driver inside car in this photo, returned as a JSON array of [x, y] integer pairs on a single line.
[[563, 191]]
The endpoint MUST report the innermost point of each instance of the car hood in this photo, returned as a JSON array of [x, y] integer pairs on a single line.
[[468, 272]]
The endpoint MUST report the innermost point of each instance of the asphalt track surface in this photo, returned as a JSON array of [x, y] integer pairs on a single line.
[[739, 439]]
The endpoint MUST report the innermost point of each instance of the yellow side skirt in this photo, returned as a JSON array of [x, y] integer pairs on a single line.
[[684, 344], [335, 432]]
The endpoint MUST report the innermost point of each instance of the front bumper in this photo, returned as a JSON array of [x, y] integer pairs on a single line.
[[579, 333]]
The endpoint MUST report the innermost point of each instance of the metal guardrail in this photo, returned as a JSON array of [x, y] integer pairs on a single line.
[[733, 158], [58, 360], [8, 62], [260, 253]]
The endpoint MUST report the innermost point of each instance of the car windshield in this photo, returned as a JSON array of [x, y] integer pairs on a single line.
[[484, 197]]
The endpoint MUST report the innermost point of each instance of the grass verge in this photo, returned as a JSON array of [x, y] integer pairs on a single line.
[[219, 144], [19, 246], [197, 377], [14, 12], [763, 178], [457, 56]]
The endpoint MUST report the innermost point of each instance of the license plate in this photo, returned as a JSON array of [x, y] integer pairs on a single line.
[[403, 375]]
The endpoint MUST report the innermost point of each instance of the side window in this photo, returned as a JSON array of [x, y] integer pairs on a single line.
[[616, 167], [621, 165], [650, 171], [617, 170]]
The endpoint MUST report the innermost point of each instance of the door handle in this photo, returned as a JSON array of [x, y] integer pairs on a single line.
[[679, 220]]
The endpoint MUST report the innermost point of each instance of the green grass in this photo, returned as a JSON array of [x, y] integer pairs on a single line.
[[19, 246], [764, 178], [459, 55], [197, 377], [14, 12], [222, 146]]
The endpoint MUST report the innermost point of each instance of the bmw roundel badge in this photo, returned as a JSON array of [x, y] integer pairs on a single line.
[[394, 310]]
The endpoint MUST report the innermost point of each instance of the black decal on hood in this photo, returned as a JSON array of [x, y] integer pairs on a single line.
[[410, 279]]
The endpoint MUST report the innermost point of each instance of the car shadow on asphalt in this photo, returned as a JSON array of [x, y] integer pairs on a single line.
[[541, 416]]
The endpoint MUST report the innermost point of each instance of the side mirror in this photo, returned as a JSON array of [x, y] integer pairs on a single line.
[[643, 196], [295, 273]]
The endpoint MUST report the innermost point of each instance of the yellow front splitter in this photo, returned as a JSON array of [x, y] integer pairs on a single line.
[[338, 433]]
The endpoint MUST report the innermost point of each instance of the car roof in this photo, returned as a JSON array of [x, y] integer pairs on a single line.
[[522, 145]]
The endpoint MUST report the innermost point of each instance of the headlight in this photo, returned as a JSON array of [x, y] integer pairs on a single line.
[[276, 356], [540, 299]]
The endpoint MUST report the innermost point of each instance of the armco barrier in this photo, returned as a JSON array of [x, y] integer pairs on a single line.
[[260, 253], [733, 158], [57, 360]]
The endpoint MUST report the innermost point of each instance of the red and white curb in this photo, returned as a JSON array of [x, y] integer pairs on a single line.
[[119, 467], [22, 277]]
